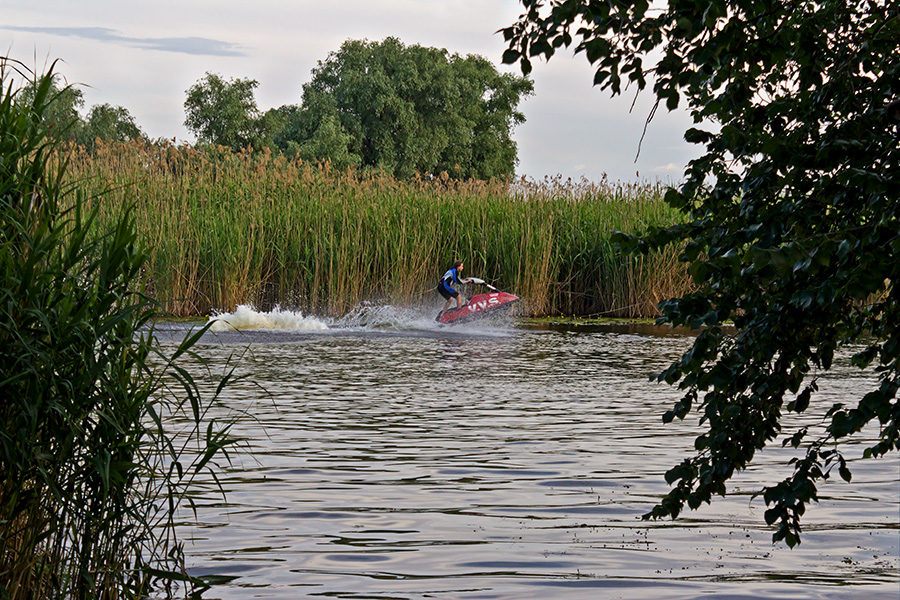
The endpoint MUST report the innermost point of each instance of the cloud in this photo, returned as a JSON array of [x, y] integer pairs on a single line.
[[668, 168], [184, 45]]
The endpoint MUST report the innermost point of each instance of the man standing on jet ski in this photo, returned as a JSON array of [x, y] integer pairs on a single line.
[[446, 290]]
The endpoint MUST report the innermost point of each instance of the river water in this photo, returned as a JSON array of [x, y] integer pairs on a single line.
[[387, 457]]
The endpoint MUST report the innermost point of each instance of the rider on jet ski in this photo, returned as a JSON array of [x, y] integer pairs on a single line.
[[446, 290]]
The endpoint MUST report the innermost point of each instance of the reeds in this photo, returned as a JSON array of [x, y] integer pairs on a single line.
[[95, 451], [226, 229]]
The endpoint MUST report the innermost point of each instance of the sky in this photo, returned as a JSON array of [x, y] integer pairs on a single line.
[[145, 55]]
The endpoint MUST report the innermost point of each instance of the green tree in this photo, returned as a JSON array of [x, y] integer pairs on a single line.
[[224, 112], [277, 125], [793, 217], [61, 112], [330, 142], [410, 109], [64, 122], [109, 123]]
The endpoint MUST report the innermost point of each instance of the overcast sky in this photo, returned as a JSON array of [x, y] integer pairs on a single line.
[[145, 55]]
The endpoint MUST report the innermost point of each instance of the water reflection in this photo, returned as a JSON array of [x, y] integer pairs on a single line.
[[508, 463]]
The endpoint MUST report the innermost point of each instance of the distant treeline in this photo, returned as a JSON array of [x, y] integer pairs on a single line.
[[227, 228], [371, 105]]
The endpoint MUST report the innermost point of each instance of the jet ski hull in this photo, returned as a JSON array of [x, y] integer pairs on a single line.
[[481, 305]]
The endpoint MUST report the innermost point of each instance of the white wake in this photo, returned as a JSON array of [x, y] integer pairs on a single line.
[[247, 317]]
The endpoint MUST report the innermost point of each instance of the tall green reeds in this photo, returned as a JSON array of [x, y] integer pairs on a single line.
[[92, 467], [226, 229]]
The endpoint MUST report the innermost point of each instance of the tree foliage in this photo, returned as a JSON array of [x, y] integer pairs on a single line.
[[793, 216], [108, 123], [63, 120], [409, 109], [60, 115], [224, 112]]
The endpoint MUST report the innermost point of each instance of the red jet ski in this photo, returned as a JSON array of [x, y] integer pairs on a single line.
[[480, 305]]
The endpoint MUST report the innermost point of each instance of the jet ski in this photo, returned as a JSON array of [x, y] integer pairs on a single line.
[[480, 305]]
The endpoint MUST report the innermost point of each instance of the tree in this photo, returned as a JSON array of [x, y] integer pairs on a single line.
[[224, 112], [279, 125], [410, 109], [61, 112], [109, 123], [792, 217], [330, 142], [64, 122]]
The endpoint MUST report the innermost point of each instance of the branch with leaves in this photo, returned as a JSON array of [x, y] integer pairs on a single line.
[[792, 216]]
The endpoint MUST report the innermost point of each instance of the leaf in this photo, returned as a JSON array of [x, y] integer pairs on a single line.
[[510, 56], [600, 75], [844, 471], [802, 401], [697, 136], [541, 46], [672, 100], [526, 66]]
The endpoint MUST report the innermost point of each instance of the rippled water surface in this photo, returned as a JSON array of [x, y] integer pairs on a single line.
[[503, 462]]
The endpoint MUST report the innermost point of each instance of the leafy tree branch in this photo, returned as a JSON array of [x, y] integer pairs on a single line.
[[793, 215]]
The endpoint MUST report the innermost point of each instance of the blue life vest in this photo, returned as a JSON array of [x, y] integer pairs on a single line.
[[450, 277]]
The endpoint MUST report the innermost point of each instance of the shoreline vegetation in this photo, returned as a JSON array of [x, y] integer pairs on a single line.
[[224, 229], [104, 436]]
